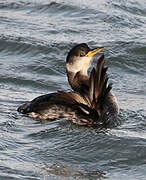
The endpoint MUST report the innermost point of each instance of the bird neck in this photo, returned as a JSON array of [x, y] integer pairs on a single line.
[[78, 81], [77, 72], [79, 64]]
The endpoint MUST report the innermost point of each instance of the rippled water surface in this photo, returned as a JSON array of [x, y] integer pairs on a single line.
[[35, 36]]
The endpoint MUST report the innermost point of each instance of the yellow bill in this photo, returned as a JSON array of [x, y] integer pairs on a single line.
[[93, 52]]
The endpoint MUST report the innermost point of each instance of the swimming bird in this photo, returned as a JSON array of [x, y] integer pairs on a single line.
[[90, 103]]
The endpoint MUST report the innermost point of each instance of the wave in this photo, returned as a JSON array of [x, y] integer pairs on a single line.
[[54, 7], [31, 46], [13, 5], [135, 8]]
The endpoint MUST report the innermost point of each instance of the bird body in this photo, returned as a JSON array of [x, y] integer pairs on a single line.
[[91, 102]]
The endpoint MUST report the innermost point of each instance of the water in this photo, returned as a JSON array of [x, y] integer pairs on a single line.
[[35, 37]]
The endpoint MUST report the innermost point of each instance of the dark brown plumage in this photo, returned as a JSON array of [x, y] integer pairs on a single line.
[[91, 102]]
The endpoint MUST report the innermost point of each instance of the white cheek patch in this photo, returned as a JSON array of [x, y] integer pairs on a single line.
[[80, 64]]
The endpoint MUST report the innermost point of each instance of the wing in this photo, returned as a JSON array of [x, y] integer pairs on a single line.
[[98, 90], [45, 102], [91, 103]]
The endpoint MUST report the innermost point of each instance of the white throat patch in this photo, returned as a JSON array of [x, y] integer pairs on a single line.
[[79, 64]]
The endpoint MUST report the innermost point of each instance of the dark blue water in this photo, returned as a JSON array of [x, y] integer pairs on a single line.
[[35, 37]]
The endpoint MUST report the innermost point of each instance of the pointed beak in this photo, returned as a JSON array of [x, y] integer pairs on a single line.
[[93, 52]]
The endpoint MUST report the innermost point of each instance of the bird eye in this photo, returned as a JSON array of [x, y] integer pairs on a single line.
[[82, 54]]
